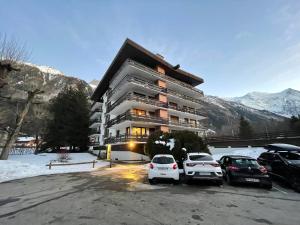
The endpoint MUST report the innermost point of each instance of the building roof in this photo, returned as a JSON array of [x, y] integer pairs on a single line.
[[131, 50]]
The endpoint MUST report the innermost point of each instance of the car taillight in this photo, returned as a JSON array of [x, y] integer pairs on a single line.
[[214, 164], [233, 168], [263, 169], [174, 166], [190, 164], [151, 166]]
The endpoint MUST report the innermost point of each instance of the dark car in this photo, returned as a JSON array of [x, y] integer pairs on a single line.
[[283, 161], [244, 169]]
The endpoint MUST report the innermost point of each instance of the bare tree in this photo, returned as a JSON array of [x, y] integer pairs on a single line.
[[12, 53]]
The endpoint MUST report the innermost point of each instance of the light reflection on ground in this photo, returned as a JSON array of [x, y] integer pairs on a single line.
[[132, 177]]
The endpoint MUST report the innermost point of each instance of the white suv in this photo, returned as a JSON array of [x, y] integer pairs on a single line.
[[163, 167], [202, 166]]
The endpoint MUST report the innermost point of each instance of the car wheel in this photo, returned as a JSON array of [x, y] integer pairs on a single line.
[[294, 184], [151, 181], [175, 182], [268, 186], [220, 182]]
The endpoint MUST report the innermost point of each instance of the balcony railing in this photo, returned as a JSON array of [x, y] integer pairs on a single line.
[[126, 138], [94, 143], [95, 121], [141, 66], [148, 84], [95, 111], [94, 131], [133, 117], [145, 118], [147, 100]]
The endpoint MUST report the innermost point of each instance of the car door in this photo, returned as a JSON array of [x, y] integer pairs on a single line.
[[278, 166]]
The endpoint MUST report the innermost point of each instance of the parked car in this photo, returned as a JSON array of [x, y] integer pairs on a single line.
[[202, 166], [163, 167], [244, 169], [283, 161]]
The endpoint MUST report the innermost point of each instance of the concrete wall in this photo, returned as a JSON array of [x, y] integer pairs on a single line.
[[127, 155]]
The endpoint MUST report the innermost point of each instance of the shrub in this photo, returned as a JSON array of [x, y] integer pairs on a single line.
[[157, 144]]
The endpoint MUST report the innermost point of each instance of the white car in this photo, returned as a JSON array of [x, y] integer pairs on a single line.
[[163, 167], [202, 166]]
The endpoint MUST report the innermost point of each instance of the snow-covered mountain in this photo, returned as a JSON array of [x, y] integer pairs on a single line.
[[285, 103], [94, 83], [224, 116]]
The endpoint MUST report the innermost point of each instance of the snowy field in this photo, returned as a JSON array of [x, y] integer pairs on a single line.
[[217, 153], [21, 166]]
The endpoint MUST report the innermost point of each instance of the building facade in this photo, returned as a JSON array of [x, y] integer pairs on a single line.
[[139, 94]]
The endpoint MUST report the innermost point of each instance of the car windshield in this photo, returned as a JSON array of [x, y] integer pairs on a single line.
[[201, 158], [163, 160], [245, 163]]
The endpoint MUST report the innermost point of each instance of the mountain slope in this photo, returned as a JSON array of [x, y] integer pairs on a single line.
[[224, 116], [285, 103], [30, 76]]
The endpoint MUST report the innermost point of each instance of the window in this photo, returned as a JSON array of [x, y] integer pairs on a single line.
[[201, 158], [139, 112], [138, 131], [174, 119], [242, 163], [163, 160]]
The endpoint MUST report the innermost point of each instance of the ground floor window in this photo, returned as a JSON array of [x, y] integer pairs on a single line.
[[138, 131]]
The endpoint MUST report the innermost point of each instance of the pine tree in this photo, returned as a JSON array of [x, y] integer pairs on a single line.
[[245, 129], [69, 125], [295, 123]]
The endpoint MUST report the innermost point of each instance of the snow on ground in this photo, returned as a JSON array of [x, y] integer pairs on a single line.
[[21, 166], [253, 152]]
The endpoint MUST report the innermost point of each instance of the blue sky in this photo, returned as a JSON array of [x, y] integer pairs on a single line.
[[236, 46]]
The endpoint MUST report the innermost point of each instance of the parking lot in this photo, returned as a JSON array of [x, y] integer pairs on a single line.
[[122, 195]]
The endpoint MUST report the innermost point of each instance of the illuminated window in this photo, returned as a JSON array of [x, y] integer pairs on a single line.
[[138, 131], [139, 112]]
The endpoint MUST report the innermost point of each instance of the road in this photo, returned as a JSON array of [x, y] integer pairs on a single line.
[[121, 195]]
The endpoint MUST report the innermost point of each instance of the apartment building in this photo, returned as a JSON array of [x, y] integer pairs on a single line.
[[139, 94]]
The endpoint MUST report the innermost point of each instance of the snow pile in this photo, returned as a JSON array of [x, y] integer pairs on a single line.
[[21, 166], [217, 153], [170, 143]]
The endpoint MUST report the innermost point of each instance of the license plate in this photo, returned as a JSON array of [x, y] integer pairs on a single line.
[[252, 180], [162, 168], [204, 174], [163, 174]]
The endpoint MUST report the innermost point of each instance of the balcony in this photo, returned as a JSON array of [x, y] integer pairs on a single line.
[[126, 138], [96, 105], [95, 112], [154, 119], [94, 143], [150, 101], [133, 117], [95, 121], [141, 66], [94, 131], [152, 86]]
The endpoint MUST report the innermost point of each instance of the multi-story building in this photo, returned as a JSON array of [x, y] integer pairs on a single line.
[[139, 94]]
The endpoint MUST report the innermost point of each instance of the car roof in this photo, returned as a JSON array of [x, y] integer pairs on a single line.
[[238, 156], [198, 153], [282, 147]]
